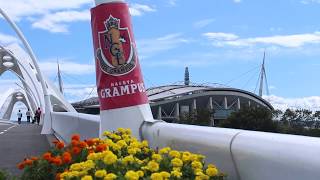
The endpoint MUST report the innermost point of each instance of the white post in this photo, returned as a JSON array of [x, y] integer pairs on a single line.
[[46, 129], [159, 116], [123, 99], [225, 103]]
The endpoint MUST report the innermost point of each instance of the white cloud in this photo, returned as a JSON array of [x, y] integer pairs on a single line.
[[140, 9], [172, 2], [203, 23], [7, 39], [78, 92], [237, 1], [312, 102], [68, 67], [55, 16], [221, 36], [151, 47], [56, 22], [309, 1], [289, 41]]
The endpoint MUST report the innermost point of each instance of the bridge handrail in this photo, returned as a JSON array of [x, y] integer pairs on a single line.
[[243, 155]]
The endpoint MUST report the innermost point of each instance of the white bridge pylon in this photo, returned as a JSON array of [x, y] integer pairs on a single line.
[[14, 59]]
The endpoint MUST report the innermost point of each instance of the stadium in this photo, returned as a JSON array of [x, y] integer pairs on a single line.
[[170, 102]]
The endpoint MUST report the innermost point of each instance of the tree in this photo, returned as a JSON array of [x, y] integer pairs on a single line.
[[257, 119]]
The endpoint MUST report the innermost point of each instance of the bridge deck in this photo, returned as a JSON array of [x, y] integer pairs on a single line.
[[18, 142]]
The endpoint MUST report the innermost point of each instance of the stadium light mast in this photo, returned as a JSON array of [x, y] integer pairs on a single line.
[[60, 79], [263, 77]]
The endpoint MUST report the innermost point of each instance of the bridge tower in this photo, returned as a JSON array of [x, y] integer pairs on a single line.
[[263, 77]]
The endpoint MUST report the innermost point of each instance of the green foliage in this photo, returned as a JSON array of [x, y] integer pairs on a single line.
[[201, 117], [3, 175], [257, 119]]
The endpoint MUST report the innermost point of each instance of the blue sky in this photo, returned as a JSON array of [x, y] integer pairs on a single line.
[[219, 40]]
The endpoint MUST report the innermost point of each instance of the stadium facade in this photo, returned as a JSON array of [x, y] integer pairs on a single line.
[[170, 102]]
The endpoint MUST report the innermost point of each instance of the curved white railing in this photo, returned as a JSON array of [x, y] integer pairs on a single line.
[[64, 124], [243, 155]]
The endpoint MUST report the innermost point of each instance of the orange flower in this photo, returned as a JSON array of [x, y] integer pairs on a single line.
[[20, 166], [47, 156], [34, 158], [57, 161], [28, 162], [101, 147], [66, 157], [76, 150], [91, 151], [82, 144], [60, 145], [90, 142], [74, 143], [76, 137], [58, 176], [55, 141]]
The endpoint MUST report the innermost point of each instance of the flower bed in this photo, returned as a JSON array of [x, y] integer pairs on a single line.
[[117, 156]]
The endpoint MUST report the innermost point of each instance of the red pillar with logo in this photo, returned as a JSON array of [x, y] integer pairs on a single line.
[[121, 91]]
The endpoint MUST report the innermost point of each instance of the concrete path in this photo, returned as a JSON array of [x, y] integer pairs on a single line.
[[18, 142]]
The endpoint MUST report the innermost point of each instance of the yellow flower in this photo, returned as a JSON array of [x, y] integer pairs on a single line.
[[122, 143], [176, 162], [196, 165], [174, 154], [145, 143], [212, 171], [165, 174], [75, 167], [153, 166], [157, 157], [110, 158], [106, 133], [110, 176], [164, 150], [132, 151], [100, 173], [86, 177], [128, 159], [131, 175], [186, 156], [128, 131], [211, 166], [156, 176], [121, 130], [177, 174], [141, 174]]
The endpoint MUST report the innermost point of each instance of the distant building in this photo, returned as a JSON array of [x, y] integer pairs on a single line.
[[171, 101]]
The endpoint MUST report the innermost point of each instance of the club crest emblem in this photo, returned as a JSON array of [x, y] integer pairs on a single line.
[[116, 52]]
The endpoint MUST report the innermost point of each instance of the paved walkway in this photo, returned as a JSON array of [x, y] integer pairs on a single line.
[[18, 142]]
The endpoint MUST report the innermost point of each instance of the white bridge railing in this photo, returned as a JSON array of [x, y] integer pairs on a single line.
[[243, 155]]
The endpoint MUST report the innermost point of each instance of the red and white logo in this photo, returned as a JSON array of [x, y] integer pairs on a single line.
[[116, 52]]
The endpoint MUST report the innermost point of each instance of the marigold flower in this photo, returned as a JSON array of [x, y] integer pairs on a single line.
[[20, 166], [60, 145], [87, 177], [58, 176], [90, 142], [66, 157], [174, 154], [196, 165], [110, 176], [101, 147], [177, 174], [131, 175], [176, 162], [110, 158], [82, 144], [75, 137], [165, 174], [76, 150], [153, 166], [100, 173], [57, 161], [212, 171], [156, 176], [34, 158], [157, 157], [74, 143], [55, 141], [47, 156], [28, 162]]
